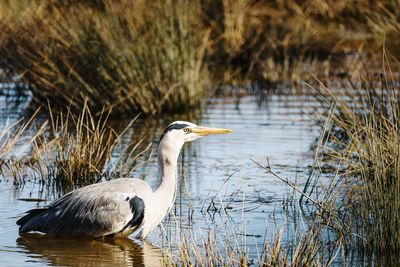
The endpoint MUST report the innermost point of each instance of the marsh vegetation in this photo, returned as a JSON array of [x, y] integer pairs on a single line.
[[95, 73], [162, 56]]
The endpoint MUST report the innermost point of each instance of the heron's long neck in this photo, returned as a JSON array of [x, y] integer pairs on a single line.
[[167, 159]]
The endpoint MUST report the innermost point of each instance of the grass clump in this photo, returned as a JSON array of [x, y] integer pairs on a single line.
[[132, 56], [156, 56], [365, 138], [281, 41], [79, 150], [14, 141], [69, 151]]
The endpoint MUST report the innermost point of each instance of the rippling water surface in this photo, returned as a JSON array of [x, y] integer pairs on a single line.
[[218, 171]]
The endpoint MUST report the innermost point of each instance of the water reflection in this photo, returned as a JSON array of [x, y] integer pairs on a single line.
[[89, 252]]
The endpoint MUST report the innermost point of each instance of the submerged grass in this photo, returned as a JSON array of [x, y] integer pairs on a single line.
[[313, 236], [307, 243]]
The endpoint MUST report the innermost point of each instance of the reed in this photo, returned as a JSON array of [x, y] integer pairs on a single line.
[[365, 137], [14, 142], [385, 25], [68, 151], [79, 150], [154, 57], [281, 41], [129, 56]]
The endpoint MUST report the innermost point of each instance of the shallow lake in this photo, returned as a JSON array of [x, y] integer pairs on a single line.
[[217, 172]]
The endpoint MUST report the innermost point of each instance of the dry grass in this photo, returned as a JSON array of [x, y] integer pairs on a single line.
[[132, 56], [385, 24], [11, 135], [288, 40], [365, 137], [14, 141], [69, 151], [153, 57]]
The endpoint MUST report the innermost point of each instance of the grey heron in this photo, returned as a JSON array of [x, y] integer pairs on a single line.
[[122, 206]]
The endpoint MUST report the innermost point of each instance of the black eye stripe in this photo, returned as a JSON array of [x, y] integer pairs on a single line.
[[175, 126]]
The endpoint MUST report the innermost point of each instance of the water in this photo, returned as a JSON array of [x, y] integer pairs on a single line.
[[218, 171]]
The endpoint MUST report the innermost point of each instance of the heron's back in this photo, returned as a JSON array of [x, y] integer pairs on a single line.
[[96, 210]]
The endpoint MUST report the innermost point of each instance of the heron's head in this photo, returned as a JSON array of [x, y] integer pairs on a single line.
[[183, 131]]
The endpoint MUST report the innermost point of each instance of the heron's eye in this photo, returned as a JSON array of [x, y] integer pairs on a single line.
[[187, 130]]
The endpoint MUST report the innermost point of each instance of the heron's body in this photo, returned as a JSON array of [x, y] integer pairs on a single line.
[[96, 210], [121, 206]]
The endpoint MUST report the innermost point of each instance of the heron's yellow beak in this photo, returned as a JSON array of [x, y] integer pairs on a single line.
[[202, 131]]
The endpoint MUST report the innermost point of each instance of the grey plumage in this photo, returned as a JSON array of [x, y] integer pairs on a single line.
[[110, 208]]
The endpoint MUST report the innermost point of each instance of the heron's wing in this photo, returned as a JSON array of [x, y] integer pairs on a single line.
[[137, 208], [97, 210]]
